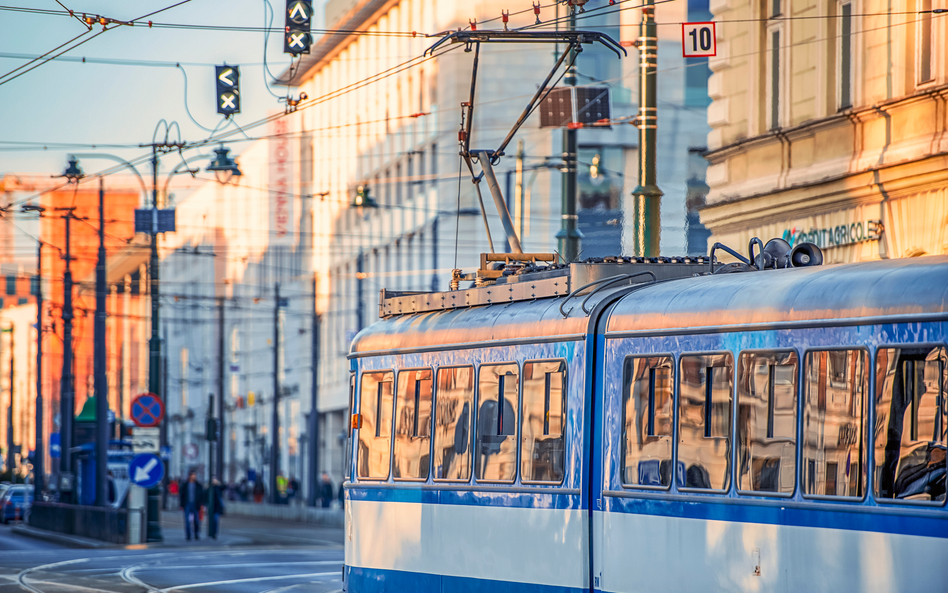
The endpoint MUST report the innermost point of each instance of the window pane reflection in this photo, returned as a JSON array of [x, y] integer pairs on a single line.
[[910, 425], [704, 421], [412, 425], [498, 389], [452, 434], [375, 435], [647, 390], [767, 421], [835, 385], [544, 416]]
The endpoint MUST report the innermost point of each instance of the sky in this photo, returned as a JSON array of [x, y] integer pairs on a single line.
[[117, 104]]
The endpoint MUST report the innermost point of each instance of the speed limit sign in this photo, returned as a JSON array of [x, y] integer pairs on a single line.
[[698, 40]]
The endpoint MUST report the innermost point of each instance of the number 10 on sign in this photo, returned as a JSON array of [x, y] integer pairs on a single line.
[[698, 40]]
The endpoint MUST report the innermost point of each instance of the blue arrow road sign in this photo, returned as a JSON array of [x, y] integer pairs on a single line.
[[146, 470], [55, 449]]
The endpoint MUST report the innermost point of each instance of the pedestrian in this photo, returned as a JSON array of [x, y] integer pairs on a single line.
[[326, 490], [258, 491], [243, 490], [294, 488], [215, 508], [281, 488], [111, 487], [192, 501]]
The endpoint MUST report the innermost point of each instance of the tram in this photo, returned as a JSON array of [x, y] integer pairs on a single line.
[[630, 425]]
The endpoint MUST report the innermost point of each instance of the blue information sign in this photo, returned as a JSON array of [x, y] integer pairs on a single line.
[[55, 449], [146, 470]]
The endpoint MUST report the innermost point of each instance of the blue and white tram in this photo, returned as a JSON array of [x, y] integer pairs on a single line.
[[781, 430]]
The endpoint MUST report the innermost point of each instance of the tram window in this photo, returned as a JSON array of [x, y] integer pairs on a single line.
[[410, 458], [647, 399], [497, 405], [454, 407], [348, 468], [835, 388], [767, 421], [704, 421], [911, 421], [375, 435], [542, 435]]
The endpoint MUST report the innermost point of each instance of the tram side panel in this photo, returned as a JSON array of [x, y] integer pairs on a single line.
[[500, 504]]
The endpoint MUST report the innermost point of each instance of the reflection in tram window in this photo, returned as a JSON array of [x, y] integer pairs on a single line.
[[497, 405], [375, 434], [767, 421], [412, 425], [647, 389], [704, 421], [544, 415], [911, 422], [835, 388], [454, 407]]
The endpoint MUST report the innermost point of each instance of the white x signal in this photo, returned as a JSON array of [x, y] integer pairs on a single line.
[[298, 9], [298, 40], [225, 77], [227, 101]]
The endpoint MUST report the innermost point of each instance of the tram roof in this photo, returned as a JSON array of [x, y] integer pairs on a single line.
[[878, 289], [889, 288]]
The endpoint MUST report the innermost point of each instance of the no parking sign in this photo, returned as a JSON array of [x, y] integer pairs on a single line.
[[147, 410]]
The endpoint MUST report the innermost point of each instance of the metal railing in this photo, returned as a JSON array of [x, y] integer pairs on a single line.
[[102, 523]]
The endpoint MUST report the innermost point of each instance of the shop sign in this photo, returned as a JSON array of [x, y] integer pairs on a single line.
[[837, 236]]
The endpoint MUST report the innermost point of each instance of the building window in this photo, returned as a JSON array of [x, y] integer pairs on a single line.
[[767, 421], [911, 421], [835, 385], [375, 432], [11, 284], [497, 405], [647, 400], [704, 420], [844, 57], [543, 440], [923, 36], [775, 94]]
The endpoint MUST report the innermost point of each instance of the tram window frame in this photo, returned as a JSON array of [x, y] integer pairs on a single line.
[[564, 372], [708, 428], [805, 477], [469, 439], [379, 409], [660, 360], [742, 448], [501, 425], [880, 433], [418, 427], [347, 471]]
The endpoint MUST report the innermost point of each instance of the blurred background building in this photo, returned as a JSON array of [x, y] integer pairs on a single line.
[[828, 124]]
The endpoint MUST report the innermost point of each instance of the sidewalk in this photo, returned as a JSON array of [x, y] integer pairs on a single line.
[[234, 531]]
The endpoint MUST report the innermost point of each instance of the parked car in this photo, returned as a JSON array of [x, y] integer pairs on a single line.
[[14, 503]]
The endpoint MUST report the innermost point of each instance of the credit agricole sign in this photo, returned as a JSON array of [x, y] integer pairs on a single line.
[[836, 236]]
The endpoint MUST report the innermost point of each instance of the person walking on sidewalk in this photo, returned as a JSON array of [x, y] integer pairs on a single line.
[[215, 508], [326, 490], [192, 499]]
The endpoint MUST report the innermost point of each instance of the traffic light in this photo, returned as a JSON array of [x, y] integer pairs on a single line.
[[228, 89], [210, 429], [297, 39]]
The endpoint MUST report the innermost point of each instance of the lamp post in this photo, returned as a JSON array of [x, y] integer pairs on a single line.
[[39, 465], [224, 167]]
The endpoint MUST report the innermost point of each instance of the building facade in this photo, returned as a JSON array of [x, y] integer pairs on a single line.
[[829, 124]]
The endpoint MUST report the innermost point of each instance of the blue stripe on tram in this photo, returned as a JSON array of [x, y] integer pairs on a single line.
[[370, 580]]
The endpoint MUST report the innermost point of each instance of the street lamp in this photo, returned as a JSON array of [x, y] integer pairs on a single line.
[[223, 166], [73, 173]]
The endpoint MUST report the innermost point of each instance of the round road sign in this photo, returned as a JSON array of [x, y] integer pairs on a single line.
[[147, 410]]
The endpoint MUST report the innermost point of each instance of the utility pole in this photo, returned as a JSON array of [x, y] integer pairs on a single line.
[[569, 236], [67, 396], [275, 419], [646, 211], [39, 470], [11, 461], [154, 350], [220, 389], [313, 442], [100, 380]]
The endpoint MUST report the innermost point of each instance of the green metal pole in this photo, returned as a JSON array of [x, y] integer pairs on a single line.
[[647, 204], [569, 236]]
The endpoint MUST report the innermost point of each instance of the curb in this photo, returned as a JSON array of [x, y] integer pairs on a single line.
[[61, 538]]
